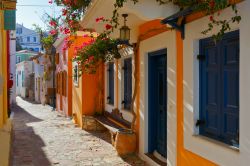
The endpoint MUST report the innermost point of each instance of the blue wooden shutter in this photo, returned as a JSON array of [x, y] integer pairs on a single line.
[[219, 88], [127, 83], [210, 79], [230, 90], [111, 83]]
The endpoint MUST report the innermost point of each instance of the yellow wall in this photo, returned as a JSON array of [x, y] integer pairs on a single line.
[[5, 124], [3, 74]]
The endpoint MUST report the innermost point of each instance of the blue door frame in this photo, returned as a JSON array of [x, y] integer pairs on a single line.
[[157, 102]]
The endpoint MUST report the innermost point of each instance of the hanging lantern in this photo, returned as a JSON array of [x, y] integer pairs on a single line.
[[124, 30]]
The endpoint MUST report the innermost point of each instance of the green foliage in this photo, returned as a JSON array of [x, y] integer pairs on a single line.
[[48, 41]]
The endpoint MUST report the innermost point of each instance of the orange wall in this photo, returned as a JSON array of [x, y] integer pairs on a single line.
[[69, 93], [91, 91], [184, 157], [87, 98]]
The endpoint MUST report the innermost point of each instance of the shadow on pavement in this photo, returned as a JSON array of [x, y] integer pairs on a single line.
[[26, 145]]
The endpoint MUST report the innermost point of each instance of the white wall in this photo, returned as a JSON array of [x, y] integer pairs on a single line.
[[27, 68], [38, 70], [13, 65], [216, 152], [163, 40]]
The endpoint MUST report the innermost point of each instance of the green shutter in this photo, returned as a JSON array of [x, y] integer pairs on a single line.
[[10, 19]]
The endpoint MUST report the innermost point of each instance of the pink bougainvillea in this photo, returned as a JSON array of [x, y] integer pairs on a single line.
[[53, 23], [66, 30], [53, 32]]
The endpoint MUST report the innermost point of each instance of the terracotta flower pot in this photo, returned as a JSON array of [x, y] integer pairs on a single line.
[[125, 142]]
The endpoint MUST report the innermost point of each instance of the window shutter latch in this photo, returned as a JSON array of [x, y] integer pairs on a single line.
[[199, 122], [201, 57]]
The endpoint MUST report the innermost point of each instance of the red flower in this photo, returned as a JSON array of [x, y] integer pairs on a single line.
[[73, 15], [91, 58], [108, 26], [211, 18], [99, 19], [53, 32], [61, 29], [66, 31], [50, 1], [64, 12], [52, 23]]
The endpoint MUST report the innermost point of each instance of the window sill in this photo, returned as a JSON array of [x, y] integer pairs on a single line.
[[112, 105], [234, 148], [126, 110]]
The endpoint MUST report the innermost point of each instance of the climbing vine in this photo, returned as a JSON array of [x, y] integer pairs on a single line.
[[208, 7]]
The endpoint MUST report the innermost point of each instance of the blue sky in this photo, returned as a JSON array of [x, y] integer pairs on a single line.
[[29, 15]]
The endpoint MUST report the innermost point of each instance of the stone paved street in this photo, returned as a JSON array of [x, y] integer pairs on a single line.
[[42, 137]]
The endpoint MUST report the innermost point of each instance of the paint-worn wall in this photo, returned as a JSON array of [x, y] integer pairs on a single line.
[[63, 67]]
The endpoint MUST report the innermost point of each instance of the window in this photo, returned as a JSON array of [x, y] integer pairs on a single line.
[[64, 83], [17, 80], [36, 84], [75, 73], [19, 30], [28, 39], [42, 84], [21, 39], [18, 60], [110, 97], [219, 89], [36, 49], [22, 78], [34, 39], [127, 68]]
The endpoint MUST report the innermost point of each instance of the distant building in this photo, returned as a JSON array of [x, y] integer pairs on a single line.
[[24, 55], [28, 39], [24, 71], [43, 79]]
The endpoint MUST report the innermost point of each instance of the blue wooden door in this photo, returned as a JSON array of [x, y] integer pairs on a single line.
[[158, 102], [161, 98], [219, 82]]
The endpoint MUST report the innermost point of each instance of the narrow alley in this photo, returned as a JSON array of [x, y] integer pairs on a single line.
[[42, 137]]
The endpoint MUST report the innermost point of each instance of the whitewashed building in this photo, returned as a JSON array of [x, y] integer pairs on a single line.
[[23, 72], [28, 38]]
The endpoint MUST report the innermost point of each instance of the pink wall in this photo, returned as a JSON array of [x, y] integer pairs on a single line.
[[62, 66]]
